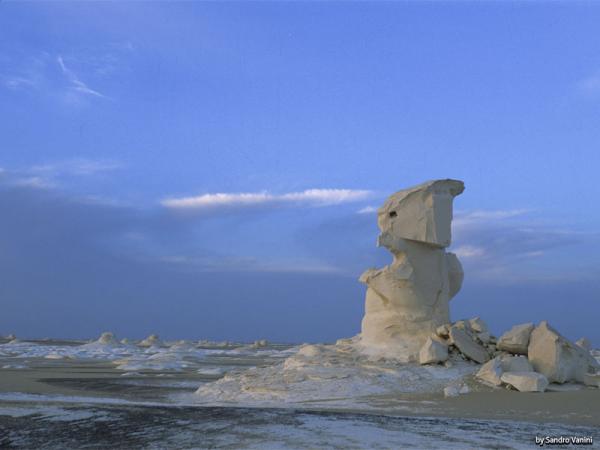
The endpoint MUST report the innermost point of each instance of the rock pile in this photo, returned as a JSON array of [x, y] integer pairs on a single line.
[[466, 339], [526, 358]]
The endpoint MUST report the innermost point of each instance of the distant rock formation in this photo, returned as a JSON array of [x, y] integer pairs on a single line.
[[107, 338], [151, 341], [407, 300]]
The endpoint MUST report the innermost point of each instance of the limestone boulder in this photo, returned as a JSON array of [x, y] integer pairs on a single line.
[[515, 364], [525, 381], [433, 352], [516, 340], [463, 325], [478, 325], [491, 372], [557, 358], [443, 331], [484, 337], [468, 346]]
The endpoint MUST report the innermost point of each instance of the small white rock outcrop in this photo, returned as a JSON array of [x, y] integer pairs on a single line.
[[150, 341], [107, 338], [454, 390], [516, 340], [261, 343]]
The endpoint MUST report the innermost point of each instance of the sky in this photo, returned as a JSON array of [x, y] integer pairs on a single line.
[[212, 170]]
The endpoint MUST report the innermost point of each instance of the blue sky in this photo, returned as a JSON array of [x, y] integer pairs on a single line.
[[210, 170]]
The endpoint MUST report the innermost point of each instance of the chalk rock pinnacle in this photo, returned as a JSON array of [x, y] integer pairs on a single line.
[[407, 300]]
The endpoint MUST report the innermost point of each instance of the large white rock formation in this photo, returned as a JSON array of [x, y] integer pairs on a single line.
[[407, 300]]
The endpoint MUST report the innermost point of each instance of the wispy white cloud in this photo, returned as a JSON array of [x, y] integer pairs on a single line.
[[34, 182], [27, 76], [76, 84], [54, 175], [517, 245], [469, 251], [58, 76], [246, 264], [367, 210], [312, 197], [19, 82], [466, 218], [76, 167]]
